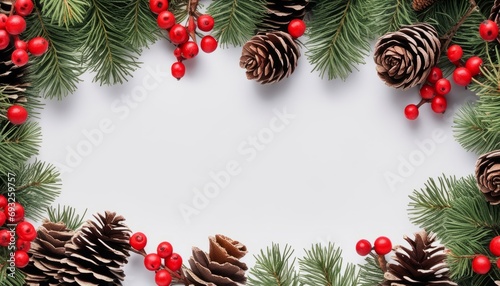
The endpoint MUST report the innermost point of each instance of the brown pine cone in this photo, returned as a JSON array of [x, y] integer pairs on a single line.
[[280, 12], [404, 58], [488, 176], [420, 5], [495, 14]]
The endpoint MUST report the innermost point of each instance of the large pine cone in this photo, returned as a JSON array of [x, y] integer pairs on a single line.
[[488, 176], [46, 252], [269, 57], [420, 5], [280, 12], [423, 264], [221, 266], [97, 253], [495, 14], [404, 58]]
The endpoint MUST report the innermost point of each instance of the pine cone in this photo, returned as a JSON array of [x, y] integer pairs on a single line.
[[404, 58], [269, 57], [46, 252], [495, 14], [488, 176], [221, 266], [423, 264], [97, 252], [420, 5], [280, 12]]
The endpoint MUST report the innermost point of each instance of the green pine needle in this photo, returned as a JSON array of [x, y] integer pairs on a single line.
[[370, 273], [66, 215], [141, 28], [18, 144], [390, 15], [8, 277], [65, 13]]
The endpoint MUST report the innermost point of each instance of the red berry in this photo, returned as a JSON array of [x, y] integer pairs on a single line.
[[178, 34], [438, 104], [163, 277], [3, 219], [435, 74], [165, 20], [23, 7], [462, 76], [363, 247], [174, 262], [296, 28], [157, 6], [164, 249], [38, 46], [205, 22], [26, 231], [178, 70], [5, 237], [481, 264], [411, 112], [3, 201], [21, 258], [20, 57], [488, 30], [15, 25], [208, 44], [138, 241], [22, 244], [454, 53], [3, 20], [152, 261], [17, 115], [382, 245], [4, 39], [442, 86], [178, 53], [21, 45], [473, 64], [189, 50], [14, 211], [495, 246], [427, 91]]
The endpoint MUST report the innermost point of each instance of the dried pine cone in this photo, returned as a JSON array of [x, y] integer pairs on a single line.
[[280, 12], [269, 57], [488, 176], [420, 5], [404, 58], [423, 264], [495, 14], [221, 266]]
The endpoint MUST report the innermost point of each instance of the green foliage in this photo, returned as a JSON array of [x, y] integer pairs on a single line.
[[339, 36], [65, 13], [67, 215], [370, 273], [236, 20], [390, 15], [9, 276], [141, 26], [18, 144], [274, 267]]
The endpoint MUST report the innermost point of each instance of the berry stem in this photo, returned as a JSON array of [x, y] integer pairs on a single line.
[[448, 37], [12, 8], [422, 102], [382, 263]]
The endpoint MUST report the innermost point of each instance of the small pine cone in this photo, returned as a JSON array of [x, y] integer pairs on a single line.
[[488, 176], [46, 253], [280, 12], [404, 58], [221, 266], [420, 5], [97, 253], [495, 14], [269, 57], [423, 264]]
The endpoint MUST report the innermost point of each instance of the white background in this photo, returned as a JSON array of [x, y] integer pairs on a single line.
[[322, 178]]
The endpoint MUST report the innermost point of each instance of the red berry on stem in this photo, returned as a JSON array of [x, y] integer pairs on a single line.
[[178, 53], [15, 25], [3, 20], [23, 7], [427, 91], [3, 219], [3, 201], [178, 34], [26, 231], [152, 261], [296, 28], [462, 76], [189, 50], [411, 112], [205, 22], [454, 53], [382, 245], [20, 57], [17, 115], [488, 30], [21, 45], [165, 20], [439, 104], [473, 64], [174, 262], [435, 74], [481, 264], [208, 44], [22, 244], [163, 277], [38, 46], [157, 6], [442, 86], [5, 237], [4, 39], [363, 247], [14, 212], [178, 70], [495, 246], [21, 258], [138, 241], [164, 249]]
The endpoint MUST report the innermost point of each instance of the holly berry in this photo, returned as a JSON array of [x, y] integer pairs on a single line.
[[442, 86], [20, 57], [488, 30], [152, 261], [22, 244], [5, 237], [157, 6], [20, 44], [208, 44], [411, 112], [178, 53], [435, 74], [454, 53], [3, 218], [21, 258], [165, 20], [205, 22], [138, 241], [25, 230], [15, 25], [473, 64], [3, 20], [174, 262], [38, 46], [178, 34], [495, 246], [439, 104], [189, 50], [462, 76], [3, 201], [4, 39], [382, 245], [17, 115], [427, 91], [296, 28], [23, 7], [481, 264], [178, 70], [14, 212], [164, 249], [163, 277], [363, 247]]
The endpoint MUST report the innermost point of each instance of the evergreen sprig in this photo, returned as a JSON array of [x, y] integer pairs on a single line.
[[370, 273], [9, 276], [18, 144], [66, 215], [65, 13], [390, 15], [141, 27]]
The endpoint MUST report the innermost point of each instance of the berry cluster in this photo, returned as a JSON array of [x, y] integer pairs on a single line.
[[15, 234], [382, 246], [481, 264], [11, 26], [153, 261], [184, 36]]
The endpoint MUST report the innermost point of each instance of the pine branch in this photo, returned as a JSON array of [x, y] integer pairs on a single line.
[[7, 276], [141, 28], [370, 273], [65, 13], [236, 20], [388, 16], [67, 215], [18, 144], [274, 267], [339, 36], [324, 266]]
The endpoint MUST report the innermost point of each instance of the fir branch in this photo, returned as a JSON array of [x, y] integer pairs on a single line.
[[18, 144], [324, 266], [66, 215], [9, 276], [339, 36], [141, 29], [65, 13], [236, 20], [391, 15], [370, 273], [274, 267]]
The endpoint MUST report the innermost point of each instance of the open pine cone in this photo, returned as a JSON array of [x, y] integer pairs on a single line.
[[488, 176], [280, 12], [404, 58]]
